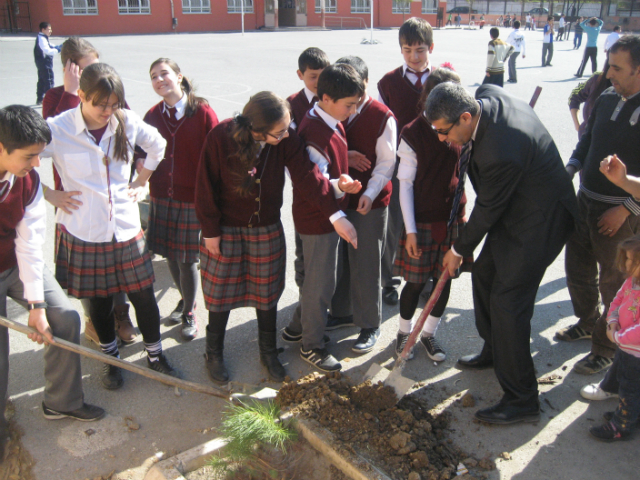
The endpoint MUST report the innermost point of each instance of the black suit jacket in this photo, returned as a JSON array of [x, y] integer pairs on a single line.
[[520, 182]]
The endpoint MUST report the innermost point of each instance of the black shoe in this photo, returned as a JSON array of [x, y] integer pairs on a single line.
[[214, 361], [111, 377], [512, 81], [433, 348], [161, 365], [176, 316], [189, 326], [290, 336], [476, 362], [576, 75], [334, 323], [501, 414], [86, 413], [572, 333], [401, 341], [321, 359], [38, 102], [390, 295], [366, 340], [592, 364], [549, 65], [269, 355], [609, 433]]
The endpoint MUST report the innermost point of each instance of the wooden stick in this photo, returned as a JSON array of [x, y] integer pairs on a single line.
[[534, 99], [145, 372]]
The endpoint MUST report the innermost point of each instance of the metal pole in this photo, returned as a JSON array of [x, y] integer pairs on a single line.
[[371, 7], [242, 14], [322, 13]]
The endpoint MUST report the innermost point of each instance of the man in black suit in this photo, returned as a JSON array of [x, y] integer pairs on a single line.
[[525, 208]]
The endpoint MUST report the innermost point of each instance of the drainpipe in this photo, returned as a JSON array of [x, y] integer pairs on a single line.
[[275, 14], [174, 20]]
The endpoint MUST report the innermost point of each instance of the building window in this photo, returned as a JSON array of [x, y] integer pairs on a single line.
[[196, 6], [330, 6], [360, 6], [401, 6], [235, 6], [126, 7], [429, 6], [79, 7]]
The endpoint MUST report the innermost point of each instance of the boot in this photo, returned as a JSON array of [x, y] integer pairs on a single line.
[[90, 331], [269, 355], [213, 358], [124, 328]]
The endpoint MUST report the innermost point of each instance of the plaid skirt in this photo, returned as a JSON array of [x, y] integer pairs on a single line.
[[250, 271], [103, 269], [173, 231], [429, 265]]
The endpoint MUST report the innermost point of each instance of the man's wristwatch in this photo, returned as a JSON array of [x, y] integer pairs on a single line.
[[33, 306]]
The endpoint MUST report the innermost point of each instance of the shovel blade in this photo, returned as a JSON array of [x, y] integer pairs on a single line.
[[394, 379]]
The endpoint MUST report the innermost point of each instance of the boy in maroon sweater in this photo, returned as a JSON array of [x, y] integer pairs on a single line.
[[311, 62], [339, 90], [400, 90]]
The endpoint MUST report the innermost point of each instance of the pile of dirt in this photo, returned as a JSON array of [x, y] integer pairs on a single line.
[[18, 462], [404, 440]]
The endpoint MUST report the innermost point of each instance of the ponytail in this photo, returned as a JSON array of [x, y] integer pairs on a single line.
[[193, 102]]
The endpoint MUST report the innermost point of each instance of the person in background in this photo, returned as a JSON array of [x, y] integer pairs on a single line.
[[587, 93], [516, 38], [498, 53], [43, 53], [592, 28], [547, 43], [577, 38], [560, 28], [612, 38]]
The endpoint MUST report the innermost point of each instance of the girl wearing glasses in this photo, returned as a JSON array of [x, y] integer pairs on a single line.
[[102, 250], [184, 120], [239, 190]]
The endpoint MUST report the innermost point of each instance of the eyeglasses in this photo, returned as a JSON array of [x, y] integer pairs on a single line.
[[104, 107], [279, 137], [446, 131]]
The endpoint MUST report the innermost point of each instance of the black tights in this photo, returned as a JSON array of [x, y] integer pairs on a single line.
[[266, 320], [147, 315], [186, 278], [411, 296]]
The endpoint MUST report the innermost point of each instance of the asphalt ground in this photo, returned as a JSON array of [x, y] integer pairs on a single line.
[[227, 68]]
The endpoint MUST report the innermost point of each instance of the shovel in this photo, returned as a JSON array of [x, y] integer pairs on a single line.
[[395, 380]]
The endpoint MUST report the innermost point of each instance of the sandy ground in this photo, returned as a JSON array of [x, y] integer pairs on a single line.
[[228, 68]]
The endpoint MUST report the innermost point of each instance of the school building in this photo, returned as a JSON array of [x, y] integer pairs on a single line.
[[117, 17]]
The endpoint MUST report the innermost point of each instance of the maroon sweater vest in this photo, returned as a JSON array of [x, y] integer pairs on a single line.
[[218, 203], [299, 106], [12, 210], [437, 174], [175, 176], [362, 135], [401, 96], [332, 144]]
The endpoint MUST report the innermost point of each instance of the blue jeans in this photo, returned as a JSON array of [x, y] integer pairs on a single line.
[[577, 40], [626, 369]]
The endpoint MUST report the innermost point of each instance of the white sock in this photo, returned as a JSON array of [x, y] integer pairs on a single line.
[[430, 326], [405, 326]]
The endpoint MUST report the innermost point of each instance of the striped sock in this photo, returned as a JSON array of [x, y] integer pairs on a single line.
[[154, 350], [110, 349]]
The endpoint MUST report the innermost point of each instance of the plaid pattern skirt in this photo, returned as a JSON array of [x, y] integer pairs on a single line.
[[250, 271], [103, 269], [429, 265], [174, 231]]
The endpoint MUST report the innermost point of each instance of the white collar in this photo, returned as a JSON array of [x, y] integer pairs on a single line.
[[81, 125], [367, 98], [475, 130], [309, 94], [328, 119], [405, 67], [7, 176], [180, 106]]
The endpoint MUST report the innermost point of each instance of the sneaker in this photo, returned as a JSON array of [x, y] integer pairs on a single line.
[[572, 333], [366, 340], [162, 365], [334, 323], [189, 326], [594, 392], [86, 413], [176, 316], [111, 377], [290, 336], [90, 331], [401, 341], [321, 359], [608, 416], [434, 350], [609, 433], [592, 364]]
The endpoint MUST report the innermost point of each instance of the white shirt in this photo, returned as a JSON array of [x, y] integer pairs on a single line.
[[320, 160], [79, 162], [406, 176], [516, 38], [611, 39], [385, 154], [561, 23], [43, 43], [528, 19], [30, 232], [180, 107]]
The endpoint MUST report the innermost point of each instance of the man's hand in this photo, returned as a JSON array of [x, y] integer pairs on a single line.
[[411, 245], [346, 230], [358, 161], [364, 205], [451, 262], [348, 184], [38, 320], [63, 200], [613, 168], [213, 245], [571, 170], [610, 221], [71, 78], [612, 328]]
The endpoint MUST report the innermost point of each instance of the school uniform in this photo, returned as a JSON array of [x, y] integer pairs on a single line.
[[399, 90], [173, 230], [301, 102], [43, 53], [250, 272], [428, 176], [24, 277], [327, 147]]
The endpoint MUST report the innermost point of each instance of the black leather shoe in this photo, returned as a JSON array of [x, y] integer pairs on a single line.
[[481, 361], [390, 295], [86, 413], [501, 414]]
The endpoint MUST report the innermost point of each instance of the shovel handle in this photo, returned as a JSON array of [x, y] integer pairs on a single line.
[[145, 372], [534, 98]]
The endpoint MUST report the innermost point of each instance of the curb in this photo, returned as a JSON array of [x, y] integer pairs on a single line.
[[187, 461]]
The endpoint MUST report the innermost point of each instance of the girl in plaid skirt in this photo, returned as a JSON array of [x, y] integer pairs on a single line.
[[428, 175], [102, 250], [238, 200], [184, 121]]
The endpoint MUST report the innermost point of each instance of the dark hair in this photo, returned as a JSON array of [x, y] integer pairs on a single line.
[[193, 102], [22, 127], [259, 115], [631, 44], [314, 59], [416, 31], [631, 245], [617, 28], [75, 49], [358, 64], [601, 85], [516, 24], [436, 77], [494, 32], [550, 18], [449, 101], [340, 81], [43, 25], [593, 21], [98, 82]]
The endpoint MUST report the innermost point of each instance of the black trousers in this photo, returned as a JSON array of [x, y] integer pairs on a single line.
[[494, 79], [45, 81], [589, 52]]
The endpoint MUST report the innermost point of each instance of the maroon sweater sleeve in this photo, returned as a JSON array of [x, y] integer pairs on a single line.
[[57, 101], [207, 188]]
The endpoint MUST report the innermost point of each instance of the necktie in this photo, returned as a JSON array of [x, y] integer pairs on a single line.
[[314, 100], [4, 190], [463, 164], [418, 84], [172, 114]]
